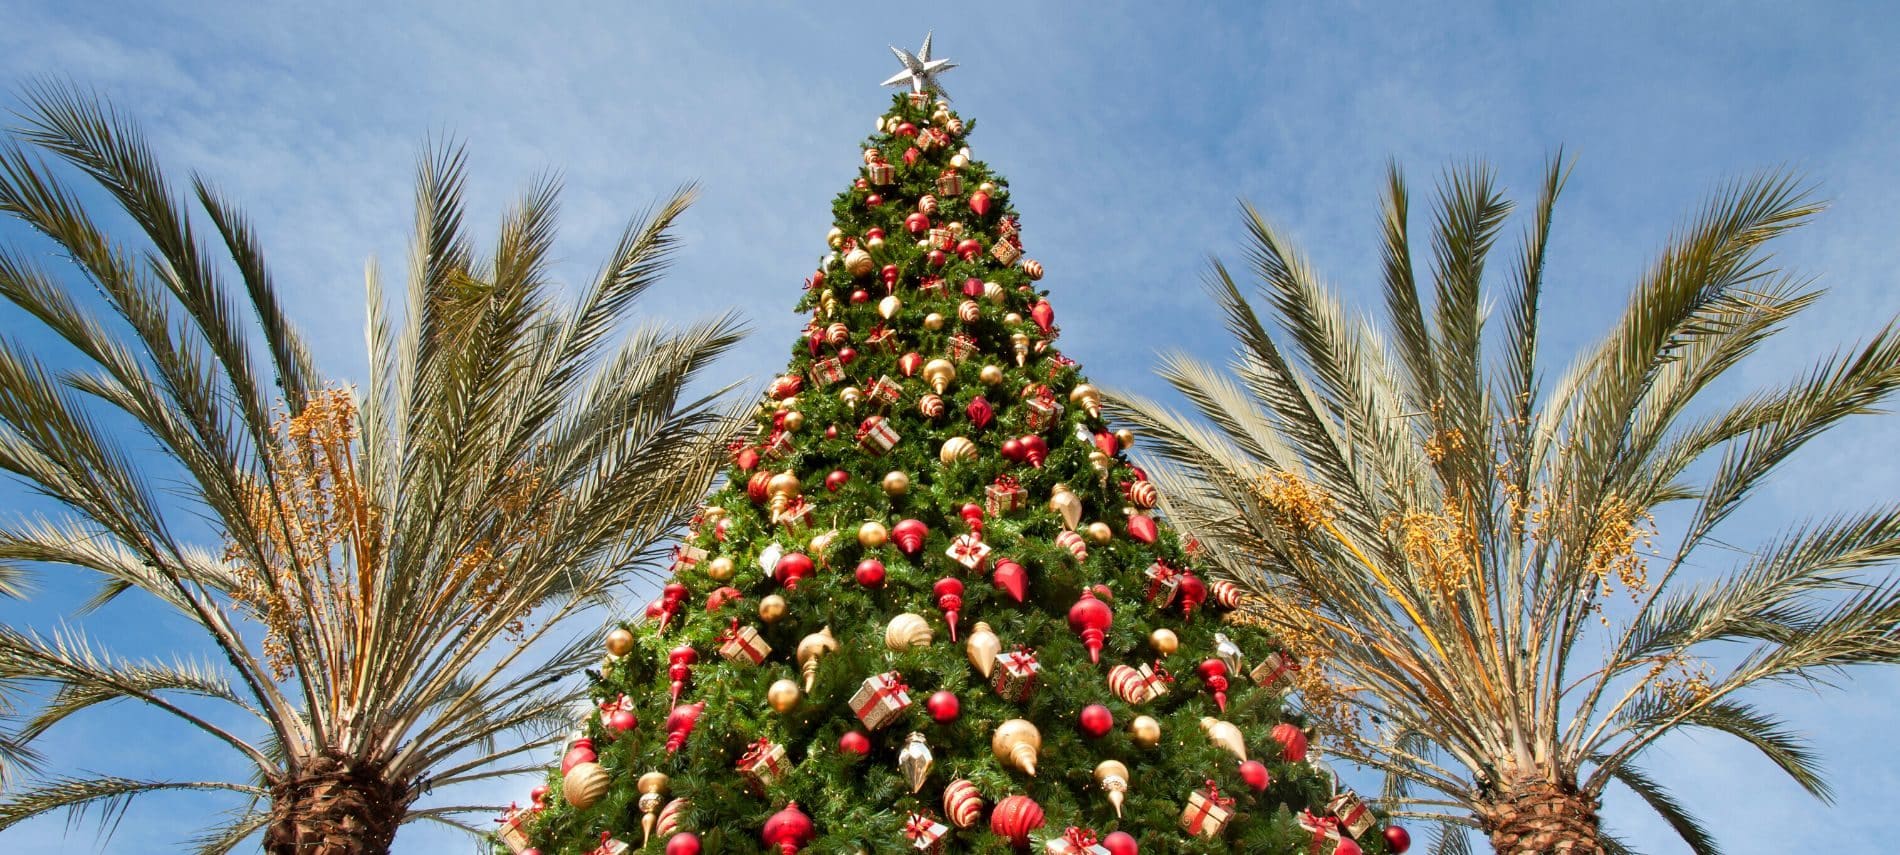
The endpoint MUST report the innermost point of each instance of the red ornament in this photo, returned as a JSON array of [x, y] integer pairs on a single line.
[[1121, 843], [747, 459], [870, 573], [539, 795], [836, 480], [1292, 741], [786, 386], [909, 536], [1397, 839], [1035, 450], [1347, 847], [831, 432], [1012, 578], [620, 721], [910, 156], [917, 223], [937, 258], [1044, 315], [1015, 818], [873, 233], [979, 412], [683, 843], [860, 296], [720, 597], [949, 591], [1214, 673], [655, 610], [909, 363], [757, 488], [789, 830], [1142, 527], [1192, 593], [1256, 775], [889, 274], [860, 183], [969, 248], [980, 202], [1013, 450], [792, 567], [973, 287], [944, 706], [680, 667], [1107, 443], [847, 354], [1096, 721], [854, 742], [679, 724], [1091, 618], [578, 752], [873, 200], [906, 129]]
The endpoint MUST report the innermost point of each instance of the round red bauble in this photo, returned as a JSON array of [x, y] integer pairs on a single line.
[[1292, 741], [846, 354], [1013, 450], [873, 200], [620, 720], [944, 706], [1035, 450], [1121, 843], [530, 852], [860, 183], [973, 287], [870, 573], [1256, 775], [917, 223], [860, 296], [1193, 592], [937, 258], [683, 843], [836, 480], [580, 751], [792, 567], [968, 248], [1096, 721], [1397, 839], [854, 742], [1014, 818], [789, 829], [906, 129], [748, 460], [1347, 847]]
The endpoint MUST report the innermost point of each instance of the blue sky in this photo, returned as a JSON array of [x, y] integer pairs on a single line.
[[1127, 132]]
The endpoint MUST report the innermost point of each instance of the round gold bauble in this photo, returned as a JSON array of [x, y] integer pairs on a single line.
[[771, 608], [890, 306], [990, 375], [1164, 641], [783, 484], [896, 483], [653, 782], [1100, 532], [783, 695], [851, 396], [1145, 731], [987, 187], [933, 321], [584, 784], [794, 420], [719, 569], [957, 448], [835, 237], [1013, 318], [1125, 438], [873, 534], [619, 642], [958, 161]]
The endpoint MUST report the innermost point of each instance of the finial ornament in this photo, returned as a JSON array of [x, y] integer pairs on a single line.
[[920, 71]]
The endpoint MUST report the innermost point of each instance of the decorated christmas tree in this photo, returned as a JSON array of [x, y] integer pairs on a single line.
[[933, 609]]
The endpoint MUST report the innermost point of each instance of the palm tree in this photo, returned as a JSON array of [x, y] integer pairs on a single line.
[[391, 566], [1453, 538]]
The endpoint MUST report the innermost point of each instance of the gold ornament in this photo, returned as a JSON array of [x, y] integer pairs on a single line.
[[1013, 318], [1088, 397], [584, 784], [873, 534], [1229, 653], [1066, 504], [1225, 736], [908, 631], [858, 263], [933, 321], [619, 642], [1164, 641], [1019, 342], [990, 375], [1126, 438], [1100, 461], [1112, 777], [1100, 532], [962, 804], [1145, 731], [987, 186], [940, 373], [783, 695], [652, 787], [835, 237], [783, 484], [888, 307], [956, 448], [874, 242], [852, 396], [719, 569], [969, 312], [812, 648], [915, 761], [958, 161], [871, 155], [994, 293], [896, 483], [821, 544], [1017, 742], [771, 608], [794, 420], [983, 647]]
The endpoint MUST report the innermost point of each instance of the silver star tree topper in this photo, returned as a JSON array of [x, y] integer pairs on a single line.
[[920, 71]]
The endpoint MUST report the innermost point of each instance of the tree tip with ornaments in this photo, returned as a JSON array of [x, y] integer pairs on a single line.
[[933, 609]]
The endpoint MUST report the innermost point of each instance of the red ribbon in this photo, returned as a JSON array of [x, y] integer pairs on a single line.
[[917, 826], [1213, 799], [1007, 482], [730, 634], [1083, 838], [605, 838], [760, 751], [1323, 827], [966, 546], [1161, 575]]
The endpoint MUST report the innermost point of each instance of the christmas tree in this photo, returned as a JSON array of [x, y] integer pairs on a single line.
[[933, 610]]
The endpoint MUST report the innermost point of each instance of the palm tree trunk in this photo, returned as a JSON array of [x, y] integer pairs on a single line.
[[336, 806], [1534, 816]]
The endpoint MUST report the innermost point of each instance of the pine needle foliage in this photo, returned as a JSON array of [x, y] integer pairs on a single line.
[[387, 560], [1474, 548]]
